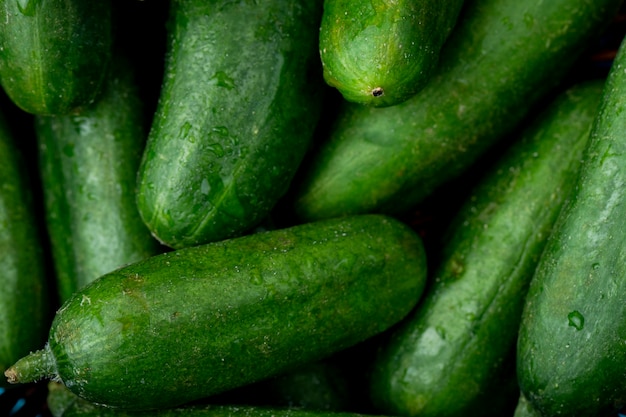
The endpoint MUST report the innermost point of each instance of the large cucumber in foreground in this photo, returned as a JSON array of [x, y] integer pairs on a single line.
[[237, 111], [23, 286], [571, 349], [443, 358], [88, 166], [55, 53], [501, 59], [380, 53], [194, 322]]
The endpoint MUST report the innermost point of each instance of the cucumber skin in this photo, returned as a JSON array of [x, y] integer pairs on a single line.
[[194, 322], [63, 403], [395, 46], [571, 351], [472, 310], [55, 53], [24, 313], [236, 115], [88, 165], [494, 68]]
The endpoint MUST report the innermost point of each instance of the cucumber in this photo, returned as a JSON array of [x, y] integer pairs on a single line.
[[63, 403], [500, 60], [443, 358], [194, 322], [380, 53], [319, 385], [55, 53], [24, 312], [571, 350], [236, 115], [88, 166]]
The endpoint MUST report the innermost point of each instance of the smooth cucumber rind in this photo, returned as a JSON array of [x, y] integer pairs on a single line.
[[444, 357], [380, 53], [88, 165], [24, 291], [237, 112], [194, 322], [571, 350], [502, 57], [54, 54]]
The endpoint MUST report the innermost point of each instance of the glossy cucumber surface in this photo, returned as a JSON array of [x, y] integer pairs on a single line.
[[55, 53], [237, 111], [191, 323], [501, 59], [88, 165], [24, 313], [443, 358], [380, 53], [571, 349]]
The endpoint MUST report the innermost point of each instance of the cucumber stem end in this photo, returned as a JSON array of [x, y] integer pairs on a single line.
[[33, 367]]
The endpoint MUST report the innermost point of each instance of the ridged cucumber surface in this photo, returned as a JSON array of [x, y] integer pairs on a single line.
[[24, 313], [443, 358], [500, 60], [190, 323], [88, 165], [571, 347], [380, 53], [239, 103], [55, 53]]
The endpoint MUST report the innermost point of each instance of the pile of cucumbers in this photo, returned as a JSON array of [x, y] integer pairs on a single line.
[[221, 208]]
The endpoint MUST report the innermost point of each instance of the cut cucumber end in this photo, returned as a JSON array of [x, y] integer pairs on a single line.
[[33, 367]]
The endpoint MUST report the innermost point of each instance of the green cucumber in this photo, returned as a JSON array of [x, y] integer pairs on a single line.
[[55, 53], [380, 53], [443, 358], [88, 165], [319, 385], [236, 115], [24, 313], [190, 323], [62, 403], [502, 58], [571, 349]]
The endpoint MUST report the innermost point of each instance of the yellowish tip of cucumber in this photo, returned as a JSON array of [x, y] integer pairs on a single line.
[[12, 376], [32, 367]]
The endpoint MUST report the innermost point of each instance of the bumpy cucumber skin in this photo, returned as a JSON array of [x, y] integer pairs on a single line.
[[571, 349], [88, 166], [55, 53], [502, 57], [24, 290], [380, 53], [194, 322], [237, 112], [443, 358]]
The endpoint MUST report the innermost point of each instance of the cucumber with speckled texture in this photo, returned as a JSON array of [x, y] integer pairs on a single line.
[[571, 351], [236, 115], [443, 358], [88, 165], [501, 59], [24, 314], [380, 52], [55, 53], [198, 321]]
